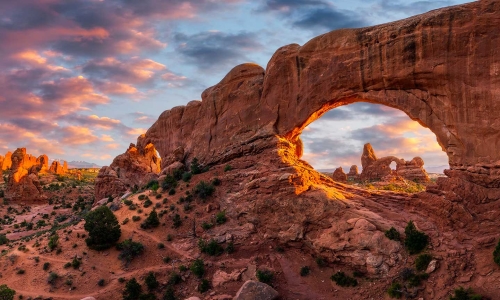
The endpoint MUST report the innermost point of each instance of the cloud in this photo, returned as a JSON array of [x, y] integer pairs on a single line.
[[316, 15], [412, 8], [73, 135], [215, 49], [361, 110], [140, 117]]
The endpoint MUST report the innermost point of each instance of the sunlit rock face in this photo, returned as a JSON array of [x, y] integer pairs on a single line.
[[136, 167], [6, 162], [23, 183]]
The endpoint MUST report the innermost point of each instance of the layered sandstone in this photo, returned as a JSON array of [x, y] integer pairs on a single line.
[[353, 173], [58, 168], [7, 161], [136, 167], [23, 183], [339, 175]]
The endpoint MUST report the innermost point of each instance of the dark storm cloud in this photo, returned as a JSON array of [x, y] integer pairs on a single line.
[[214, 50], [316, 15]]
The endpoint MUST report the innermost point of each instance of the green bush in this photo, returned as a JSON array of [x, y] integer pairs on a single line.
[[6, 293], [415, 241], [171, 192], [465, 294], [153, 185], [195, 166], [344, 280], [227, 168], [53, 276], [204, 190], [230, 247], [169, 182], [174, 279], [422, 262], [151, 221], [101, 282], [148, 203], [496, 254], [136, 218], [151, 281], [177, 221], [127, 202], [392, 234], [186, 177], [75, 263], [133, 290], [394, 290], [206, 226], [3, 240], [220, 217], [211, 248], [142, 197], [46, 266], [169, 294], [304, 271], [321, 262], [198, 267], [103, 228], [216, 182], [129, 249], [53, 241], [204, 286], [264, 276]]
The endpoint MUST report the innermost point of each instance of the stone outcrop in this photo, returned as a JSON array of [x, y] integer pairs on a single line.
[[58, 168], [43, 162], [339, 175], [23, 183], [7, 161], [136, 167], [252, 290], [377, 169], [353, 173]]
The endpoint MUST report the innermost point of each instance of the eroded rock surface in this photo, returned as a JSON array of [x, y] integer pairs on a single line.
[[23, 183], [339, 175]]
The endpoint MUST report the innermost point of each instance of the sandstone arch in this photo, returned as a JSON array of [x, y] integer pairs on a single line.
[[441, 68]]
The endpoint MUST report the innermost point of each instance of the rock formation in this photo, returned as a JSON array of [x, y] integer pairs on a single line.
[[57, 168], [440, 68], [43, 162], [353, 173], [339, 175], [376, 169], [136, 167], [23, 183], [7, 161]]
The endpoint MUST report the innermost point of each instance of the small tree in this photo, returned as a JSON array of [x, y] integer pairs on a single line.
[[129, 250], [103, 228], [53, 241], [133, 290], [151, 281], [195, 166], [198, 267], [151, 221], [6, 293], [415, 241], [3, 239], [465, 294], [204, 189]]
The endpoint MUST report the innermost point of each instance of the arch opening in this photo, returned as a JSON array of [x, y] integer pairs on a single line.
[[399, 149]]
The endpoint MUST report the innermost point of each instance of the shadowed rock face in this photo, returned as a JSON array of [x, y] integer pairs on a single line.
[[440, 68]]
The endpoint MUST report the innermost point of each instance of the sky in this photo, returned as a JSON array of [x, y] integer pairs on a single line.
[[81, 79]]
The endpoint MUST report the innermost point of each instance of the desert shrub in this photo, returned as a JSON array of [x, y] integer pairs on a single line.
[[211, 248], [204, 286], [422, 262], [101, 282], [21, 271], [121, 280], [133, 290], [465, 294], [142, 197], [198, 268], [195, 166], [75, 263], [129, 249], [216, 181], [151, 281], [394, 290], [148, 296], [171, 192], [304, 271], [206, 226], [6, 293], [230, 247], [321, 262], [153, 185], [151, 221], [169, 182], [53, 241], [227, 168], [174, 279], [344, 280], [392, 234], [220, 217], [125, 221], [136, 218], [3, 239], [169, 294], [167, 259], [264, 276], [186, 176], [416, 279], [103, 228], [177, 221], [496, 254], [46, 266], [53, 276], [204, 189], [67, 265], [415, 241], [161, 245], [127, 202], [132, 207]]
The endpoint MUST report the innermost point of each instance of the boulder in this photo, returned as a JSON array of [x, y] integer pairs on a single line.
[[339, 175], [254, 290]]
